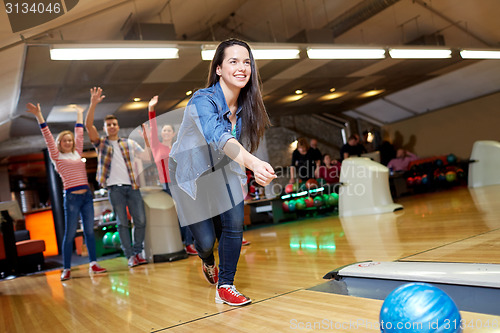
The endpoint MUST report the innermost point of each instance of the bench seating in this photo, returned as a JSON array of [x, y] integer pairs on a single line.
[[29, 252]]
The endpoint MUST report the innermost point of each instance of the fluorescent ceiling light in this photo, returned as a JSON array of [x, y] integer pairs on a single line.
[[110, 52], [207, 54], [480, 54], [419, 53], [346, 53], [259, 54]]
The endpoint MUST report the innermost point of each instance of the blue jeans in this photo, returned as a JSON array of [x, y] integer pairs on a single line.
[[228, 228], [75, 206], [187, 236], [122, 197]]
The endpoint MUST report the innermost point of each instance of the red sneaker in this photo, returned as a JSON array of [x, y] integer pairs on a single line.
[[229, 295], [244, 242], [191, 250], [96, 269], [211, 273], [140, 259], [66, 274], [132, 261]]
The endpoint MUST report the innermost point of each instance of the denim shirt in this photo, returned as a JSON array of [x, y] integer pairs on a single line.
[[203, 133]]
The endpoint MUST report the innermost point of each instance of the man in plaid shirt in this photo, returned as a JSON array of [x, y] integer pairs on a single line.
[[115, 172]]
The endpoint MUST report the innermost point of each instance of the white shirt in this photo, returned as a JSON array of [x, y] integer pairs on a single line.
[[118, 173]]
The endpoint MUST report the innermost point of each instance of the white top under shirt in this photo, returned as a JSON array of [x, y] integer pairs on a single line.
[[118, 173]]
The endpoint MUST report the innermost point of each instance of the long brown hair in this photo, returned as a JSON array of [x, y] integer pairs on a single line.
[[254, 115]]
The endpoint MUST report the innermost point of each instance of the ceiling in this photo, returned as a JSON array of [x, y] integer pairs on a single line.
[[410, 87]]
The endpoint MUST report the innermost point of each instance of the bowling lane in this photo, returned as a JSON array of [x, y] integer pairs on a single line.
[[471, 298], [309, 311], [483, 248]]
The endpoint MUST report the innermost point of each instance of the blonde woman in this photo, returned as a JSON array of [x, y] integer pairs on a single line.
[[65, 153]]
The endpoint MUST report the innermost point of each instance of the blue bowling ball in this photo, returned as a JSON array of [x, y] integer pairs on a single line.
[[451, 158], [419, 307]]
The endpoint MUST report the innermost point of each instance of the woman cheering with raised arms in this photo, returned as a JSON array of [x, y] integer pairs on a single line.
[[65, 152]]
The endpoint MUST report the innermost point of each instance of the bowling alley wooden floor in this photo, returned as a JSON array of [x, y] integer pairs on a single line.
[[283, 261]]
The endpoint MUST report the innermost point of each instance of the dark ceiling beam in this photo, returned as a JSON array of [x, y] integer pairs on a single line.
[[220, 31], [332, 120], [447, 19], [357, 15], [24, 40]]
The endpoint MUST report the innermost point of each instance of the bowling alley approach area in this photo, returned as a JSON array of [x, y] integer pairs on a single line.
[[450, 238]]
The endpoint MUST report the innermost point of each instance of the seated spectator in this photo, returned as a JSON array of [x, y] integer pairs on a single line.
[[402, 160], [330, 171]]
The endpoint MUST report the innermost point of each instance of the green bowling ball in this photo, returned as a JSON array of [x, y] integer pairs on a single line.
[[333, 199], [115, 240], [107, 239], [318, 201], [301, 204]]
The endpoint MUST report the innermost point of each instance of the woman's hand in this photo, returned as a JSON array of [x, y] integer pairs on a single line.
[[35, 110], [79, 114], [79, 109], [263, 173], [152, 103]]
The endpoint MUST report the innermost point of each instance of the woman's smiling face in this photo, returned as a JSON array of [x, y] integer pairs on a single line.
[[167, 133], [66, 143], [236, 68]]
